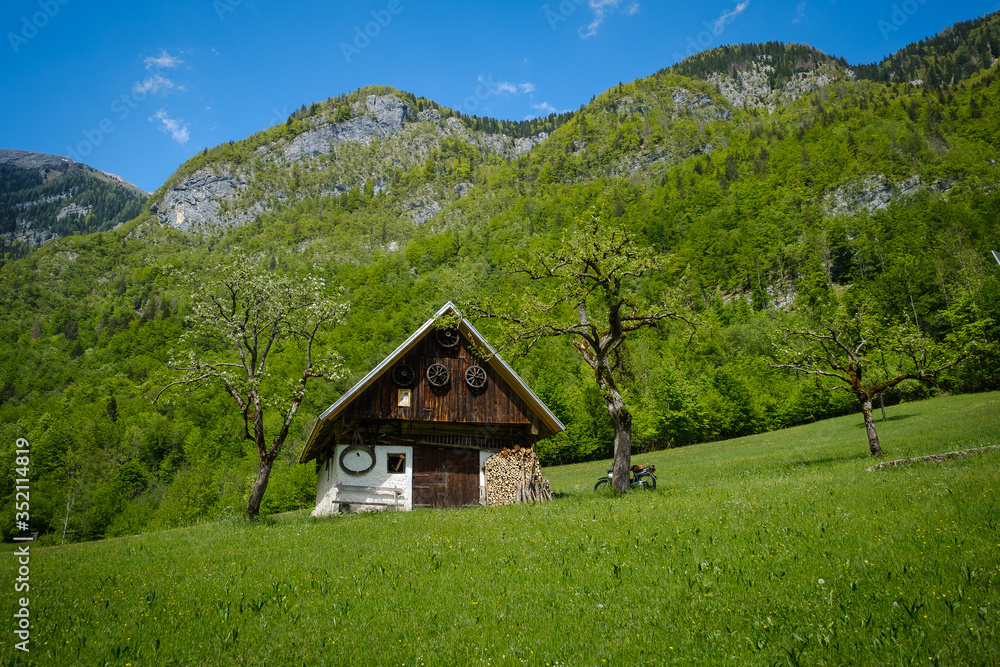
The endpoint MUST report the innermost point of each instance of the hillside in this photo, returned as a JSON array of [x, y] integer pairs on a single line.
[[758, 551], [376, 140], [825, 184], [43, 197], [955, 53]]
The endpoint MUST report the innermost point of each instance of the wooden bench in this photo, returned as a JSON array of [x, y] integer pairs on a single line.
[[376, 489]]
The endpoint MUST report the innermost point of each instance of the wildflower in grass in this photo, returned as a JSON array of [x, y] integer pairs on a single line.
[[821, 582]]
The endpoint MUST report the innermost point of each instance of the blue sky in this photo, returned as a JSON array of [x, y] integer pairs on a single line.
[[135, 88]]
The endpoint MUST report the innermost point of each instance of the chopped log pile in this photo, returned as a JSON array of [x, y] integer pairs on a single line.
[[514, 475]]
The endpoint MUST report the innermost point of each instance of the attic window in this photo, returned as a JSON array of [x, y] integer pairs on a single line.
[[396, 463]]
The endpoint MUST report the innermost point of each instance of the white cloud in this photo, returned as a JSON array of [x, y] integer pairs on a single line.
[[503, 87], [489, 87], [162, 61], [727, 17], [155, 84], [175, 126], [601, 8], [800, 11]]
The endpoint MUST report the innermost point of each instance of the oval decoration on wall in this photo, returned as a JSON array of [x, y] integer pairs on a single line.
[[357, 459]]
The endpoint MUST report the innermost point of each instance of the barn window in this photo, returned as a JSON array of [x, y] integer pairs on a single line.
[[396, 463], [403, 398]]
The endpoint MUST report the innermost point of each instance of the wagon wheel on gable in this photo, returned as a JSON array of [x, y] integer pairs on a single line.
[[438, 375], [447, 337], [475, 377], [403, 375]]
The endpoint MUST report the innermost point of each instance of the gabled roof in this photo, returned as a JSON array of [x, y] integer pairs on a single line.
[[465, 327]]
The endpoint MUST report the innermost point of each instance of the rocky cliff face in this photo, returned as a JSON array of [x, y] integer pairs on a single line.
[[381, 116], [197, 200], [875, 193], [750, 86], [345, 153]]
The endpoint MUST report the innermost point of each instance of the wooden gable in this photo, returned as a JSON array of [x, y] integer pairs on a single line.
[[500, 412], [456, 402]]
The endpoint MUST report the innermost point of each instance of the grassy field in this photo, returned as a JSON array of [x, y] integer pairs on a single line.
[[773, 549]]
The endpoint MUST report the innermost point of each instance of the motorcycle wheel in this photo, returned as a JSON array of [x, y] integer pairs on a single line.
[[647, 481], [600, 483]]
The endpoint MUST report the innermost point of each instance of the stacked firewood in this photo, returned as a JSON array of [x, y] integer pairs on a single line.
[[514, 475]]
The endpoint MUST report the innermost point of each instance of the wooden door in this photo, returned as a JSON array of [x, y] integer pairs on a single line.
[[445, 477]]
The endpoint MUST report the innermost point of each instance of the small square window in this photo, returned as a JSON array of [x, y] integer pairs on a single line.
[[396, 463], [403, 397]]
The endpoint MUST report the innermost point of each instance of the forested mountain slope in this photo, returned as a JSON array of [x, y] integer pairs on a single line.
[[819, 181], [46, 196], [375, 140]]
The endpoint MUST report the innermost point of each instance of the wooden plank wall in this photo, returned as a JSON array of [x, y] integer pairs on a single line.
[[496, 403]]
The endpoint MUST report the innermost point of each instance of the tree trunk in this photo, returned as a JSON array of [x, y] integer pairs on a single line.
[[259, 486], [873, 444], [621, 419], [70, 501]]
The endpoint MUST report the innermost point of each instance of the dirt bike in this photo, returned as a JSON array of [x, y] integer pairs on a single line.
[[642, 478]]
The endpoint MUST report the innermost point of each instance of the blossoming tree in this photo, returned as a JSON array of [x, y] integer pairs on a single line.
[[588, 291], [242, 321]]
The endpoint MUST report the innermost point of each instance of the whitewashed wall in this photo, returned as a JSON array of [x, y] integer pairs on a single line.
[[483, 455], [329, 497]]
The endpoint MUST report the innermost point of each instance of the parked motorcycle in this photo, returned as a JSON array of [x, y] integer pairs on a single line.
[[642, 478]]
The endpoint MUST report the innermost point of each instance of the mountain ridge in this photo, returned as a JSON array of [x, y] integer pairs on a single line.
[[204, 190], [765, 76], [32, 160], [43, 196]]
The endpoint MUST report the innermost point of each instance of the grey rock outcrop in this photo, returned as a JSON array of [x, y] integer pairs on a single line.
[[503, 145], [74, 209], [750, 87], [197, 199], [422, 210], [869, 195], [385, 116], [512, 147]]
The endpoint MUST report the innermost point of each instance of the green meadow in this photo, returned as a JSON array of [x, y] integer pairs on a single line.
[[779, 548]]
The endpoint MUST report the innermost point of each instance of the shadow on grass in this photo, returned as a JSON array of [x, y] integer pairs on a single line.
[[879, 420]]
